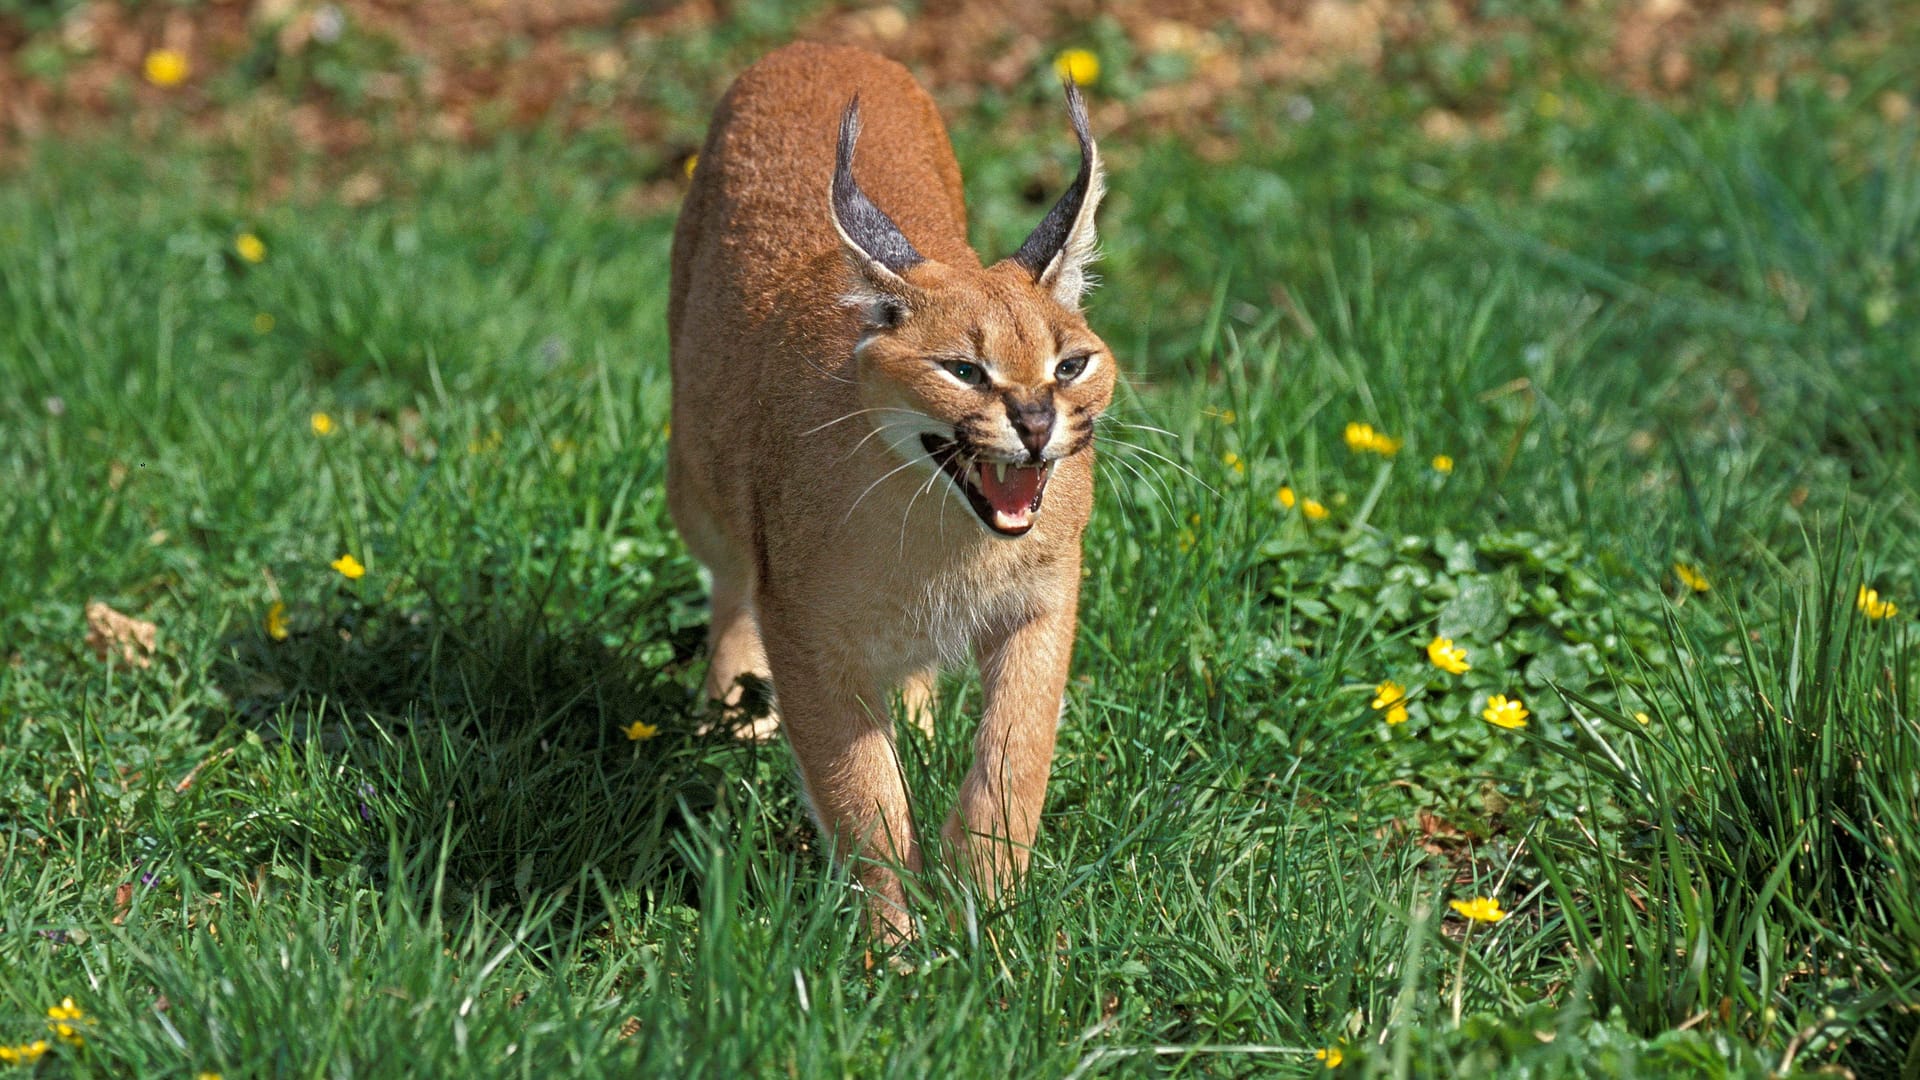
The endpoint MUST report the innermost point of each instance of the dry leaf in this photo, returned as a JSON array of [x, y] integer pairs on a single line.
[[194, 773], [107, 628], [1440, 837], [122, 903]]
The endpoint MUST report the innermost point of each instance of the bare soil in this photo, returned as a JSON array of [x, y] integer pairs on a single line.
[[462, 69]]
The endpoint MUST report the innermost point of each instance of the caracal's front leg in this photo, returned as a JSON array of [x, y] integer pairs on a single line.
[[843, 740], [1024, 668]]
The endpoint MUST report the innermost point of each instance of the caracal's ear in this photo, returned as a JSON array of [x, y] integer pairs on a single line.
[[874, 246], [1058, 251]]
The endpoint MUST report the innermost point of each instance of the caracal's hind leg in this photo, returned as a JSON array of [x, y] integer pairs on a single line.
[[918, 696], [737, 669], [737, 673]]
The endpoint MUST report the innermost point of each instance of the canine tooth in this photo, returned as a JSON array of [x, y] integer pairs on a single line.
[[1000, 471]]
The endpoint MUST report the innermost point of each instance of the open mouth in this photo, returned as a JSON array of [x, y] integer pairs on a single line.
[[1005, 497]]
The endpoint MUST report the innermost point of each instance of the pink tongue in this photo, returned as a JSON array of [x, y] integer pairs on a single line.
[[1013, 495]]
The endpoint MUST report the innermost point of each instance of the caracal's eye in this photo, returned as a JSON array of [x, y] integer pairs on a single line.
[[1069, 369], [966, 371]]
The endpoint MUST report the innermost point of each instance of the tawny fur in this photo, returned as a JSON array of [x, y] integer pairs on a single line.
[[845, 565]]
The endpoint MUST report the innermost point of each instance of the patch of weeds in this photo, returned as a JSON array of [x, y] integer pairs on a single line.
[[1764, 884], [1528, 616]]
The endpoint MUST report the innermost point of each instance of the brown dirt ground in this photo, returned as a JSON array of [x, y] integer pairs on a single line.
[[463, 69]]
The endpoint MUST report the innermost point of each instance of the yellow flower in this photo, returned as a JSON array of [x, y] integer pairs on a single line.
[[1691, 577], [1447, 656], [167, 67], [24, 1054], [693, 161], [58, 1017], [349, 567], [1187, 540], [1388, 693], [1479, 909], [249, 247], [1442, 464], [1079, 65], [1642, 719], [263, 323], [1232, 461], [206, 1076], [1506, 712], [321, 423], [1228, 416], [1391, 696], [1312, 508], [640, 730], [1873, 607], [1362, 438], [277, 621], [1331, 1056]]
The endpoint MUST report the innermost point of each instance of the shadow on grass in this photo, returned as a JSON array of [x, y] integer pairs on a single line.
[[516, 751]]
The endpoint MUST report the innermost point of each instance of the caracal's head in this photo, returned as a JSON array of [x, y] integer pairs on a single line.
[[987, 375]]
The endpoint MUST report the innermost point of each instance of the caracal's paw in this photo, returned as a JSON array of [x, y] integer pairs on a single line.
[[742, 708], [988, 864]]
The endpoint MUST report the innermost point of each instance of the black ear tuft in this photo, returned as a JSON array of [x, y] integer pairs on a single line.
[[1058, 228], [863, 225]]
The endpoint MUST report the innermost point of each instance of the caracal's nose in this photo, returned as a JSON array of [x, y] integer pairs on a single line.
[[1033, 422]]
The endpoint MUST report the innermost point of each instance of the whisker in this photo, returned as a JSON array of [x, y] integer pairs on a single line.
[[1117, 408], [907, 464], [869, 436], [933, 478], [966, 469], [1150, 484], [1134, 383], [1156, 484], [858, 412], [1119, 445], [834, 375], [1122, 492], [1106, 419], [943, 517]]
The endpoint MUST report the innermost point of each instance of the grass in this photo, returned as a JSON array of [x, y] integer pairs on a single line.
[[414, 836]]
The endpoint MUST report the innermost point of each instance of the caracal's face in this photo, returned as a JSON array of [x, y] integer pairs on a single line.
[[988, 380]]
